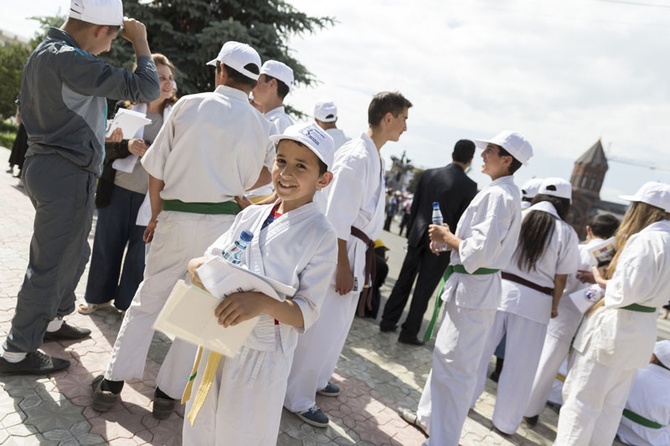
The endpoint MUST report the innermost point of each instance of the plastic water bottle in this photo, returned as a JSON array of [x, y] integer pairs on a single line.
[[438, 220], [235, 250]]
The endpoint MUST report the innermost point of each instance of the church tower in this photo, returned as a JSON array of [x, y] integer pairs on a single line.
[[587, 179]]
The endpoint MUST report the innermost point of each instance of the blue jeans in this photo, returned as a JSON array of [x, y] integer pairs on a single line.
[[116, 230]]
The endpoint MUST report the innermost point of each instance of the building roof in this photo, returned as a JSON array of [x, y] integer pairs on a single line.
[[595, 156]]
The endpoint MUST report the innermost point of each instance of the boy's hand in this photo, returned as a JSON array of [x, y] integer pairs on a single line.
[[116, 136], [137, 147], [149, 231], [240, 307], [243, 201], [344, 280], [134, 31], [194, 264]]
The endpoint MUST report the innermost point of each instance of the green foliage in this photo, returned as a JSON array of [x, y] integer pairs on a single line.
[[191, 32], [45, 23], [12, 59]]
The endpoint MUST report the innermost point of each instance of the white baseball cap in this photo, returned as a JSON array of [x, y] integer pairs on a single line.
[[556, 187], [97, 12], [314, 137], [530, 187], [279, 71], [325, 111], [513, 142], [662, 352], [237, 55], [653, 193]]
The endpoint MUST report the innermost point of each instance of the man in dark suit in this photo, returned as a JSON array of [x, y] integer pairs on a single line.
[[454, 190]]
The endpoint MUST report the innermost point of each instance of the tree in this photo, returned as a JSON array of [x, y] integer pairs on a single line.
[[12, 59], [191, 32]]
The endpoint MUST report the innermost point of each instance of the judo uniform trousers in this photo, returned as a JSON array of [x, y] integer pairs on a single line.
[[523, 316], [649, 398], [614, 341], [354, 198], [489, 228], [244, 405], [560, 332], [220, 129]]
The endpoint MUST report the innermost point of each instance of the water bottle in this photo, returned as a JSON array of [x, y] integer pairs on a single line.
[[234, 252], [438, 221]]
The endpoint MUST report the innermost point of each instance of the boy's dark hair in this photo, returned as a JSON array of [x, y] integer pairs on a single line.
[[322, 166], [238, 77], [282, 88], [386, 102], [603, 225], [463, 152], [536, 231], [79, 25], [516, 164]]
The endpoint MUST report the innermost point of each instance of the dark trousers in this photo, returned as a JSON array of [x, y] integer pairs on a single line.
[[429, 267], [62, 195], [115, 230]]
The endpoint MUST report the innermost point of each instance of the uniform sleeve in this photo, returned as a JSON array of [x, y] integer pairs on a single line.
[[315, 279], [568, 258], [156, 156], [344, 195], [269, 155], [634, 277], [90, 76], [487, 234]]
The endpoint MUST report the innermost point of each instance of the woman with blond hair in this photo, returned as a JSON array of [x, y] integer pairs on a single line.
[[618, 336], [121, 191]]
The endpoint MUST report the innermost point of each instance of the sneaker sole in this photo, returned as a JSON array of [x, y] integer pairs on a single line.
[[331, 394], [162, 409], [311, 422]]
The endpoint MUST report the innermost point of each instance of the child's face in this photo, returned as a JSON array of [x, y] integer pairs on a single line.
[[494, 165], [295, 175]]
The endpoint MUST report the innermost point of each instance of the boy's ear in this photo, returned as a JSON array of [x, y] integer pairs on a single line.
[[324, 180]]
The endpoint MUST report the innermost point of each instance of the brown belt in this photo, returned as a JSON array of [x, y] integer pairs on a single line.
[[527, 283], [365, 299]]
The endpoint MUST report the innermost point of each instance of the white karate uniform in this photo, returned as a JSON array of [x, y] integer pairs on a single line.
[[489, 228], [212, 148], [339, 138], [560, 332], [279, 118], [244, 404], [354, 198], [523, 316], [650, 398], [614, 341]]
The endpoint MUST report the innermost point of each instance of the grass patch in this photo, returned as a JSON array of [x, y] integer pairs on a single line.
[[7, 139]]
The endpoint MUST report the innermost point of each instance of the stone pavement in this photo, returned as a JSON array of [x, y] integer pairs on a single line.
[[377, 375]]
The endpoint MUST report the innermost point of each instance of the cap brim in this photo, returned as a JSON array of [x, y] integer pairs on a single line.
[[629, 197], [276, 138], [212, 62], [482, 143]]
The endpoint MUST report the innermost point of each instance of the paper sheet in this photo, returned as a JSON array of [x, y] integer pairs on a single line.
[[587, 297], [129, 121]]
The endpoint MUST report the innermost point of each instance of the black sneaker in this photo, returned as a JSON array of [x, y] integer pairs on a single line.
[[67, 332], [35, 363], [314, 416], [103, 400], [163, 405], [331, 389]]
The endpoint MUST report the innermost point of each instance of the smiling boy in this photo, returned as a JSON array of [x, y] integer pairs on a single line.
[[482, 245], [295, 245]]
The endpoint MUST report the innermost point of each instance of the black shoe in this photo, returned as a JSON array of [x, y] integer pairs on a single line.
[[67, 332], [35, 363], [410, 340], [103, 400], [501, 433], [531, 421], [163, 405], [387, 328], [495, 376]]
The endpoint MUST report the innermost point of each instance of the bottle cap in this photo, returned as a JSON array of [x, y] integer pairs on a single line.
[[246, 235], [436, 204]]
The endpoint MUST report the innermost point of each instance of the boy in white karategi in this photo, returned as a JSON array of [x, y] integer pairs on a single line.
[[562, 328], [325, 116], [646, 418], [274, 83], [618, 337], [213, 147], [532, 286], [355, 207], [296, 245], [483, 244]]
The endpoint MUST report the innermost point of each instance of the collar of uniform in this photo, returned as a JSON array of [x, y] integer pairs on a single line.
[[59, 34], [277, 110], [507, 179], [663, 225], [231, 92], [544, 206]]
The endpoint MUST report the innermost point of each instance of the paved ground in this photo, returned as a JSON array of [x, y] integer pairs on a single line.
[[377, 375]]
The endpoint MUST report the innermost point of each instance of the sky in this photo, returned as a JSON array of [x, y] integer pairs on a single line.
[[562, 73]]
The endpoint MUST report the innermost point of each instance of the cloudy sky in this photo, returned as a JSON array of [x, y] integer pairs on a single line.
[[563, 73]]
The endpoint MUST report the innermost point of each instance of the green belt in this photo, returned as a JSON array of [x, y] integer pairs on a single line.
[[639, 419], [438, 303], [227, 207], [640, 308]]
